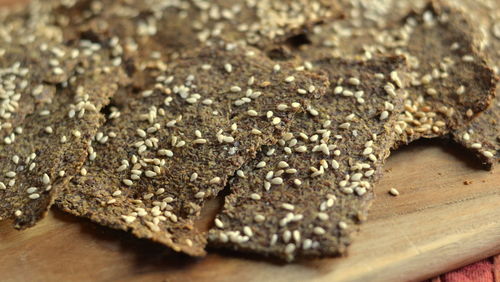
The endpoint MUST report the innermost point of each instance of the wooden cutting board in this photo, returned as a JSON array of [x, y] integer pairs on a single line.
[[437, 224]]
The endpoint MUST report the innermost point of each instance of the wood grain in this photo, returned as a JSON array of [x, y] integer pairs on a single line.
[[437, 224]]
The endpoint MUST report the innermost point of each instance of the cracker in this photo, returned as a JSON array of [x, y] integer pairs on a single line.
[[50, 148], [482, 136], [449, 86], [307, 194], [174, 143], [166, 28]]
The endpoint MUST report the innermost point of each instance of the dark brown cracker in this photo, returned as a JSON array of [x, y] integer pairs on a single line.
[[450, 84], [482, 136], [51, 148], [28, 74], [158, 29], [298, 198], [229, 97]]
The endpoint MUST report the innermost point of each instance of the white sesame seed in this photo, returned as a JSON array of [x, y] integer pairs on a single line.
[[476, 146], [342, 225], [215, 180], [353, 81], [323, 216], [394, 192], [10, 174], [128, 182], [488, 154], [277, 181], [248, 231], [252, 113], [289, 79], [288, 206], [128, 219], [45, 179], [83, 171], [319, 230], [283, 164], [199, 195], [18, 213], [255, 196], [165, 152], [34, 196], [219, 223], [384, 115], [261, 164], [31, 190]]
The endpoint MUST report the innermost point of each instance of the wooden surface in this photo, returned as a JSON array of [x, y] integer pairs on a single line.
[[437, 224]]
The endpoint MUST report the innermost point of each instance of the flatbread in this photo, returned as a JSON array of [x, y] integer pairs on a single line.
[[174, 143], [306, 195]]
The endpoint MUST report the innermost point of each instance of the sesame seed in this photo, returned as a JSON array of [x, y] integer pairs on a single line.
[[319, 230], [31, 190], [199, 195], [215, 180], [228, 68], [150, 173], [128, 219], [34, 196], [283, 164], [255, 196], [127, 182], [277, 181], [289, 79], [342, 225], [18, 213], [288, 206], [488, 154], [384, 115], [394, 192], [466, 136], [353, 81], [45, 179], [323, 216], [261, 164], [247, 231], [83, 171], [219, 223], [476, 146], [235, 89], [10, 174], [252, 113]]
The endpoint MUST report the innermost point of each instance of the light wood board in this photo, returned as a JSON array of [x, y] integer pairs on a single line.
[[437, 224]]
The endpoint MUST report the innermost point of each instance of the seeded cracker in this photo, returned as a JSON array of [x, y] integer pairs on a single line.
[[482, 136], [51, 148], [307, 194], [31, 63], [449, 86], [179, 139], [177, 26]]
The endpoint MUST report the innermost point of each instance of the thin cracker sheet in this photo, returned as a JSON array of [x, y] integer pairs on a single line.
[[305, 195], [173, 144]]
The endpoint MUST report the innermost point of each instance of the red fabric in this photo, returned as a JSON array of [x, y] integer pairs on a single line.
[[487, 270]]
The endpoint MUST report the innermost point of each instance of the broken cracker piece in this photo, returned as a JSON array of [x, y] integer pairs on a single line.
[[174, 143], [307, 194]]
